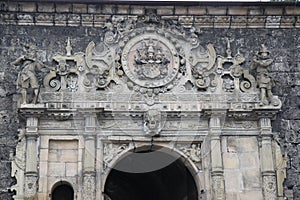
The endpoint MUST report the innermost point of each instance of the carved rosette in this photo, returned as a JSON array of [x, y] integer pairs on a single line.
[[269, 187]]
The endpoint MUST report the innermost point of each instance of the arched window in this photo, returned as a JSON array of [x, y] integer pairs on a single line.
[[62, 191]]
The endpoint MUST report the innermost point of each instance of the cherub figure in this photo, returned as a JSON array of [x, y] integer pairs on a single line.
[[262, 62]]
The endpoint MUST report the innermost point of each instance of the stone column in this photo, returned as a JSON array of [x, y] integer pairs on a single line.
[[89, 158], [217, 177], [267, 162], [31, 168]]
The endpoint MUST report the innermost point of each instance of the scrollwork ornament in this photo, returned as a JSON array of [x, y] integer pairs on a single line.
[[99, 61], [55, 84]]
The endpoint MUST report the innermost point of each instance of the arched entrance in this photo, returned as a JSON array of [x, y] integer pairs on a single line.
[[62, 191], [151, 174]]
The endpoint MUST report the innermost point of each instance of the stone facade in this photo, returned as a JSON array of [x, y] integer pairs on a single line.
[[99, 96]]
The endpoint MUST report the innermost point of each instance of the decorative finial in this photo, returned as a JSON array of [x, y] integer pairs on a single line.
[[228, 50], [69, 48]]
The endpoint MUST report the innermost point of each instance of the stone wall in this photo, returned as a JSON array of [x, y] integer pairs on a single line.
[[47, 26]]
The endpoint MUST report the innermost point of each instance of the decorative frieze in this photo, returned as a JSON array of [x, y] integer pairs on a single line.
[[201, 20]]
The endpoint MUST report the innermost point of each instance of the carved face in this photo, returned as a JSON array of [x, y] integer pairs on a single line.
[[152, 119]]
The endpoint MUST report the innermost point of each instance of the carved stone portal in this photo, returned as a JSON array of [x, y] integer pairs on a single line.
[[151, 85]]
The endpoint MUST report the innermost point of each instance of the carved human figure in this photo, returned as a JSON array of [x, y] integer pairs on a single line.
[[281, 163], [262, 62], [193, 152], [27, 76]]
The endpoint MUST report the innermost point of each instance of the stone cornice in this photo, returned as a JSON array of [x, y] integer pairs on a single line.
[[204, 14]]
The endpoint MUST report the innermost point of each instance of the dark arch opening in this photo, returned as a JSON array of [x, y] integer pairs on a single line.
[[150, 175], [63, 192]]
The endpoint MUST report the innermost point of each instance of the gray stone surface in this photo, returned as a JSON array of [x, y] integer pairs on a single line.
[[283, 43]]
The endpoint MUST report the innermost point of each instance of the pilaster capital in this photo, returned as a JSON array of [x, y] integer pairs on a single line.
[[265, 127], [90, 122], [215, 125], [31, 127]]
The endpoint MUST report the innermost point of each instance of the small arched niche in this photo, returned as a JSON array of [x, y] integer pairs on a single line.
[[62, 191]]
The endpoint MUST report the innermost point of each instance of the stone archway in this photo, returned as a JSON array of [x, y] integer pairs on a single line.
[[151, 174], [62, 191]]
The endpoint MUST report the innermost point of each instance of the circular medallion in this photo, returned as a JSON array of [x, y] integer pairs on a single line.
[[150, 60]]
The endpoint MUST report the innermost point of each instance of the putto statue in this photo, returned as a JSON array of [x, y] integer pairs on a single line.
[[27, 76], [262, 63]]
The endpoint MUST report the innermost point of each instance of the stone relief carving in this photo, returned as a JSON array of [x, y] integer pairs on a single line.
[[233, 75], [280, 168], [202, 61], [18, 165], [153, 122], [262, 62], [111, 150], [30, 187], [65, 75], [230, 123], [269, 187], [218, 187], [152, 61], [193, 151], [99, 60], [89, 187]]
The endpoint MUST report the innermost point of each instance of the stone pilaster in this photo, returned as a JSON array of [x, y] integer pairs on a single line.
[[31, 167], [267, 162], [218, 187], [89, 158]]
